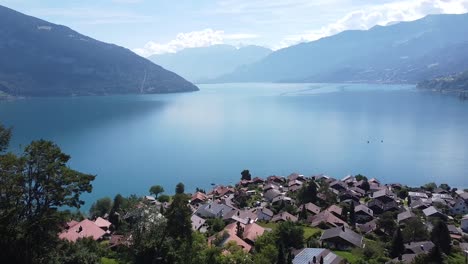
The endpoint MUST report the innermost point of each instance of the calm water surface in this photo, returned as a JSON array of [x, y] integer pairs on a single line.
[[133, 142]]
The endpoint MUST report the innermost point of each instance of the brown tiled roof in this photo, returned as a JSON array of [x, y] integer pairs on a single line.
[[85, 228], [285, 216], [345, 234]]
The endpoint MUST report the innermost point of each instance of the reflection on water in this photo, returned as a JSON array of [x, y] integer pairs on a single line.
[[133, 142]]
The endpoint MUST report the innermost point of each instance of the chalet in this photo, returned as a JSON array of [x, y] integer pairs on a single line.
[[250, 233], [405, 258], [226, 236], [341, 238], [325, 219], [336, 210], [403, 217], [213, 210], [417, 195], [103, 223], [197, 222], [283, 217], [460, 207], [198, 198], [296, 176], [348, 195], [257, 180], [242, 216], [442, 196], [378, 207], [454, 232], [311, 208], [271, 194], [85, 228], [464, 223], [276, 179], [363, 214], [368, 227], [315, 256], [264, 214], [432, 212], [384, 195], [358, 191], [441, 191], [220, 191], [374, 181], [294, 188], [339, 186], [420, 204], [282, 199], [418, 247]]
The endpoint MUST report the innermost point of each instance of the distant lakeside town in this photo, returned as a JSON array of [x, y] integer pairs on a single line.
[[320, 219]]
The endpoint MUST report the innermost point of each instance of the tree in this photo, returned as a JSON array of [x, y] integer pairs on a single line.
[[360, 177], [430, 186], [179, 223], [245, 175], [444, 186], [114, 215], [101, 207], [307, 193], [5, 136], [180, 188], [303, 214], [32, 189], [365, 186], [352, 214], [441, 237], [397, 246], [164, 198], [409, 200], [290, 234], [239, 230], [387, 223], [156, 190], [281, 256], [414, 230]]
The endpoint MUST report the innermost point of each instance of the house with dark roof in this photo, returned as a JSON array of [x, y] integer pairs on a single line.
[[464, 223], [403, 217], [379, 207], [363, 214], [325, 219], [341, 238], [384, 195], [242, 216], [264, 214], [405, 258], [454, 232], [432, 212], [271, 194], [283, 217], [338, 186], [197, 222], [418, 247], [213, 210], [368, 227], [310, 208], [348, 195], [316, 256], [282, 199]]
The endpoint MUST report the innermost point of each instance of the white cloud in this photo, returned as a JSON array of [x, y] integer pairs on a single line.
[[380, 15], [194, 39]]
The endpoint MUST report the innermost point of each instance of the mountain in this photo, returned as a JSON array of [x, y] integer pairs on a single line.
[[405, 52], [452, 83], [39, 58], [201, 64]]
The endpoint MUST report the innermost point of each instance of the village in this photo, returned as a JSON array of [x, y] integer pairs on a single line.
[[344, 220]]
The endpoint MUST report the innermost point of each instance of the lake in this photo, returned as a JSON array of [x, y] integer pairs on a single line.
[[135, 141]]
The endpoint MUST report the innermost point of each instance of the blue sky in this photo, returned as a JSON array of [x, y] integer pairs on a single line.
[[160, 26]]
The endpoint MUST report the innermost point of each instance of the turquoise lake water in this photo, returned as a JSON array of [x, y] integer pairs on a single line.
[[133, 142]]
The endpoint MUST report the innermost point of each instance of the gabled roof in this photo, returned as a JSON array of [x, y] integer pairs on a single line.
[[343, 233], [85, 228], [368, 227], [243, 216], [213, 210], [306, 256], [197, 222], [199, 196], [311, 208], [271, 194], [419, 247], [405, 215], [364, 209], [327, 218], [431, 211], [232, 237], [252, 232], [335, 209], [285, 216], [102, 223]]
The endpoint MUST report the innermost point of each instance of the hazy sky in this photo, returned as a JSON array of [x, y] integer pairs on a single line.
[[159, 26]]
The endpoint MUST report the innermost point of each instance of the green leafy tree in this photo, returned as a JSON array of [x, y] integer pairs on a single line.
[[387, 223], [180, 188], [156, 190], [360, 177], [352, 214], [414, 230], [365, 186], [101, 207], [268, 255], [245, 175], [307, 193], [398, 246], [441, 237], [290, 234], [114, 215], [164, 198], [430, 186], [32, 189], [444, 186], [5, 136], [179, 218]]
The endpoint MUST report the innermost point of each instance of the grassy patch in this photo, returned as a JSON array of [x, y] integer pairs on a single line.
[[109, 261], [350, 257], [456, 258], [310, 231], [268, 225]]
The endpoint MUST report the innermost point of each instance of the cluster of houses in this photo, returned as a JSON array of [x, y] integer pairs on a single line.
[[370, 200]]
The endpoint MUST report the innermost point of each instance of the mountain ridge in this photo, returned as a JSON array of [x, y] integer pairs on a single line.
[[399, 53], [40, 58]]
